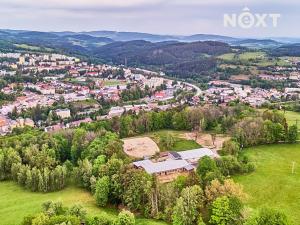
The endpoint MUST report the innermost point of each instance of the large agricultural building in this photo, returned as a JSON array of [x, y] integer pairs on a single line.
[[175, 163]]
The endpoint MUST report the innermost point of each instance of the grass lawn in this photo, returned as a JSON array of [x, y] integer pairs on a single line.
[[15, 203], [292, 118], [273, 184], [113, 82], [180, 143], [85, 103]]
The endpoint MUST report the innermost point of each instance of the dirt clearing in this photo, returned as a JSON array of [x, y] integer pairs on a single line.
[[140, 147], [205, 140]]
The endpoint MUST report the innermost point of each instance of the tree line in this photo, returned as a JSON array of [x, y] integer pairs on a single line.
[[247, 126], [31, 160], [54, 213], [39, 180]]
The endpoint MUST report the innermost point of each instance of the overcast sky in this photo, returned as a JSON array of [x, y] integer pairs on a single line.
[[152, 16]]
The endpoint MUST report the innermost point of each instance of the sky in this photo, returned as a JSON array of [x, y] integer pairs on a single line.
[[180, 17]]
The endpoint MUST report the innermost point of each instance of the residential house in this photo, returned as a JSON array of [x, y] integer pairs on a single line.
[[63, 113], [116, 111]]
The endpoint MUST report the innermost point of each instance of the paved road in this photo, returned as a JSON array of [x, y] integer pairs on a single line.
[[198, 93], [198, 90]]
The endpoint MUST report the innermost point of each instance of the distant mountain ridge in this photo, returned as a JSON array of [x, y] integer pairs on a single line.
[[169, 54], [105, 37], [182, 56], [132, 36], [258, 43]]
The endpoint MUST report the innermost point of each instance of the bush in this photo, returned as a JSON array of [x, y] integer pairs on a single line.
[[102, 191], [268, 217], [27, 220], [249, 168], [99, 220], [62, 219], [125, 218], [230, 148]]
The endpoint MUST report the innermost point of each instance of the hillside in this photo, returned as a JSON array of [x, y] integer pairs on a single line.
[[258, 43], [287, 50], [175, 58], [72, 43], [130, 36], [183, 59]]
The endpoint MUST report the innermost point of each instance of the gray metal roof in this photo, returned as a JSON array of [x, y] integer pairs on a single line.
[[179, 162], [189, 167], [175, 155], [167, 165], [197, 153]]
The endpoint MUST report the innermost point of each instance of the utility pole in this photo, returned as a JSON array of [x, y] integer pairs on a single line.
[[293, 167]]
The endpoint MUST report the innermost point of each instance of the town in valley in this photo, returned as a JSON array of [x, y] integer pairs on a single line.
[[144, 112]]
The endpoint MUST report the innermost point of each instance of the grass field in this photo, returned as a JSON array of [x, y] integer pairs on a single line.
[[180, 143], [227, 56], [252, 55], [261, 59], [242, 56], [32, 48], [15, 203], [273, 61], [113, 82], [85, 103], [273, 184], [292, 118]]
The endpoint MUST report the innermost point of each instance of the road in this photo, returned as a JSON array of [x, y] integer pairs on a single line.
[[198, 90]]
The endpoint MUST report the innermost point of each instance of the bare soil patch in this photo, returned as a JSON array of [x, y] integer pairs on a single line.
[[240, 77], [205, 140], [140, 147]]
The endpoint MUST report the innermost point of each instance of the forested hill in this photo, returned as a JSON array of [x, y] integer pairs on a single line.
[[182, 59], [172, 57], [144, 52], [287, 50], [70, 43]]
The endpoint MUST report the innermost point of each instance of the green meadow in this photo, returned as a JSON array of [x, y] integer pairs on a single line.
[[16, 202], [273, 184]]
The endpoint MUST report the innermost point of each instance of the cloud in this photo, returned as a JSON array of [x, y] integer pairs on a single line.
[[156, 16], [70, 4], [79, 4]]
